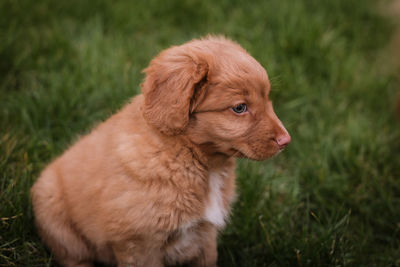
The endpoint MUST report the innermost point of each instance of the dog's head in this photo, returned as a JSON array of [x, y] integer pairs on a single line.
[[215, 93]]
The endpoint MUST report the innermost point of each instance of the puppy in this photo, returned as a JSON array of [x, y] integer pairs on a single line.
[[153, 184]]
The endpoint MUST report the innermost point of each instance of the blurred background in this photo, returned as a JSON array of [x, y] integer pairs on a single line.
[[332, 198]]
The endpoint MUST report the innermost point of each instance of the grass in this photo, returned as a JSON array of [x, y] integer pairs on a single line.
[[331, 199]]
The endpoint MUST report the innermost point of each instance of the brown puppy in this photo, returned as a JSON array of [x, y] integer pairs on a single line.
[[153, 184]]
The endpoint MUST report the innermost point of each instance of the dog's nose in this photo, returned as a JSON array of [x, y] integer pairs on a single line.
[[283, 140]]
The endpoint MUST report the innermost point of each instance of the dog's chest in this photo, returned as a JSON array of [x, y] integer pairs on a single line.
[[216, 211]]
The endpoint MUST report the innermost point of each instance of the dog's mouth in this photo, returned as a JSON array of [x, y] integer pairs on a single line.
[[238, 153]]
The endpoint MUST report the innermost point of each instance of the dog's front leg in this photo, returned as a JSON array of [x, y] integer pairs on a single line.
[[209, 254], [134, 254]]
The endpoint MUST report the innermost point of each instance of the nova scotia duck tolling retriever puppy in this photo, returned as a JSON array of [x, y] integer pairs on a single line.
[[153, 184]]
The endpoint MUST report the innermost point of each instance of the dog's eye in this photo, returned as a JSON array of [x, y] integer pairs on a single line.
[[240, 108]]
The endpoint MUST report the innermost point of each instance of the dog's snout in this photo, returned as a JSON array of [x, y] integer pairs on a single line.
[[283, 140]]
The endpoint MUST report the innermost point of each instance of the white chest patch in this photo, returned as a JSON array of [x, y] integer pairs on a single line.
[[215, 211]]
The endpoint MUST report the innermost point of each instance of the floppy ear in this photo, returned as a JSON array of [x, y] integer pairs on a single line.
[[169, 86]]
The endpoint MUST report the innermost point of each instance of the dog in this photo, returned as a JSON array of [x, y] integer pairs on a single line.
[[153, 184]]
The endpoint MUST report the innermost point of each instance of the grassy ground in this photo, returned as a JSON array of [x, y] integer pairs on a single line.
[[331, 199]]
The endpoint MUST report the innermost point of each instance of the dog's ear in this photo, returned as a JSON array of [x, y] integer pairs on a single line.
[[171, 80]]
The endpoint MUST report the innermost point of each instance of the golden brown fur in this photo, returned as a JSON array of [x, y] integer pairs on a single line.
[[153, 184]]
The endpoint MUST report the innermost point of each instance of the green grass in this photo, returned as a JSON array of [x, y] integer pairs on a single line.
[[331, 199]]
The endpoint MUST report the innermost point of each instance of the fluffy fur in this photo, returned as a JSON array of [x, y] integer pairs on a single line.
[[153, 184]]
